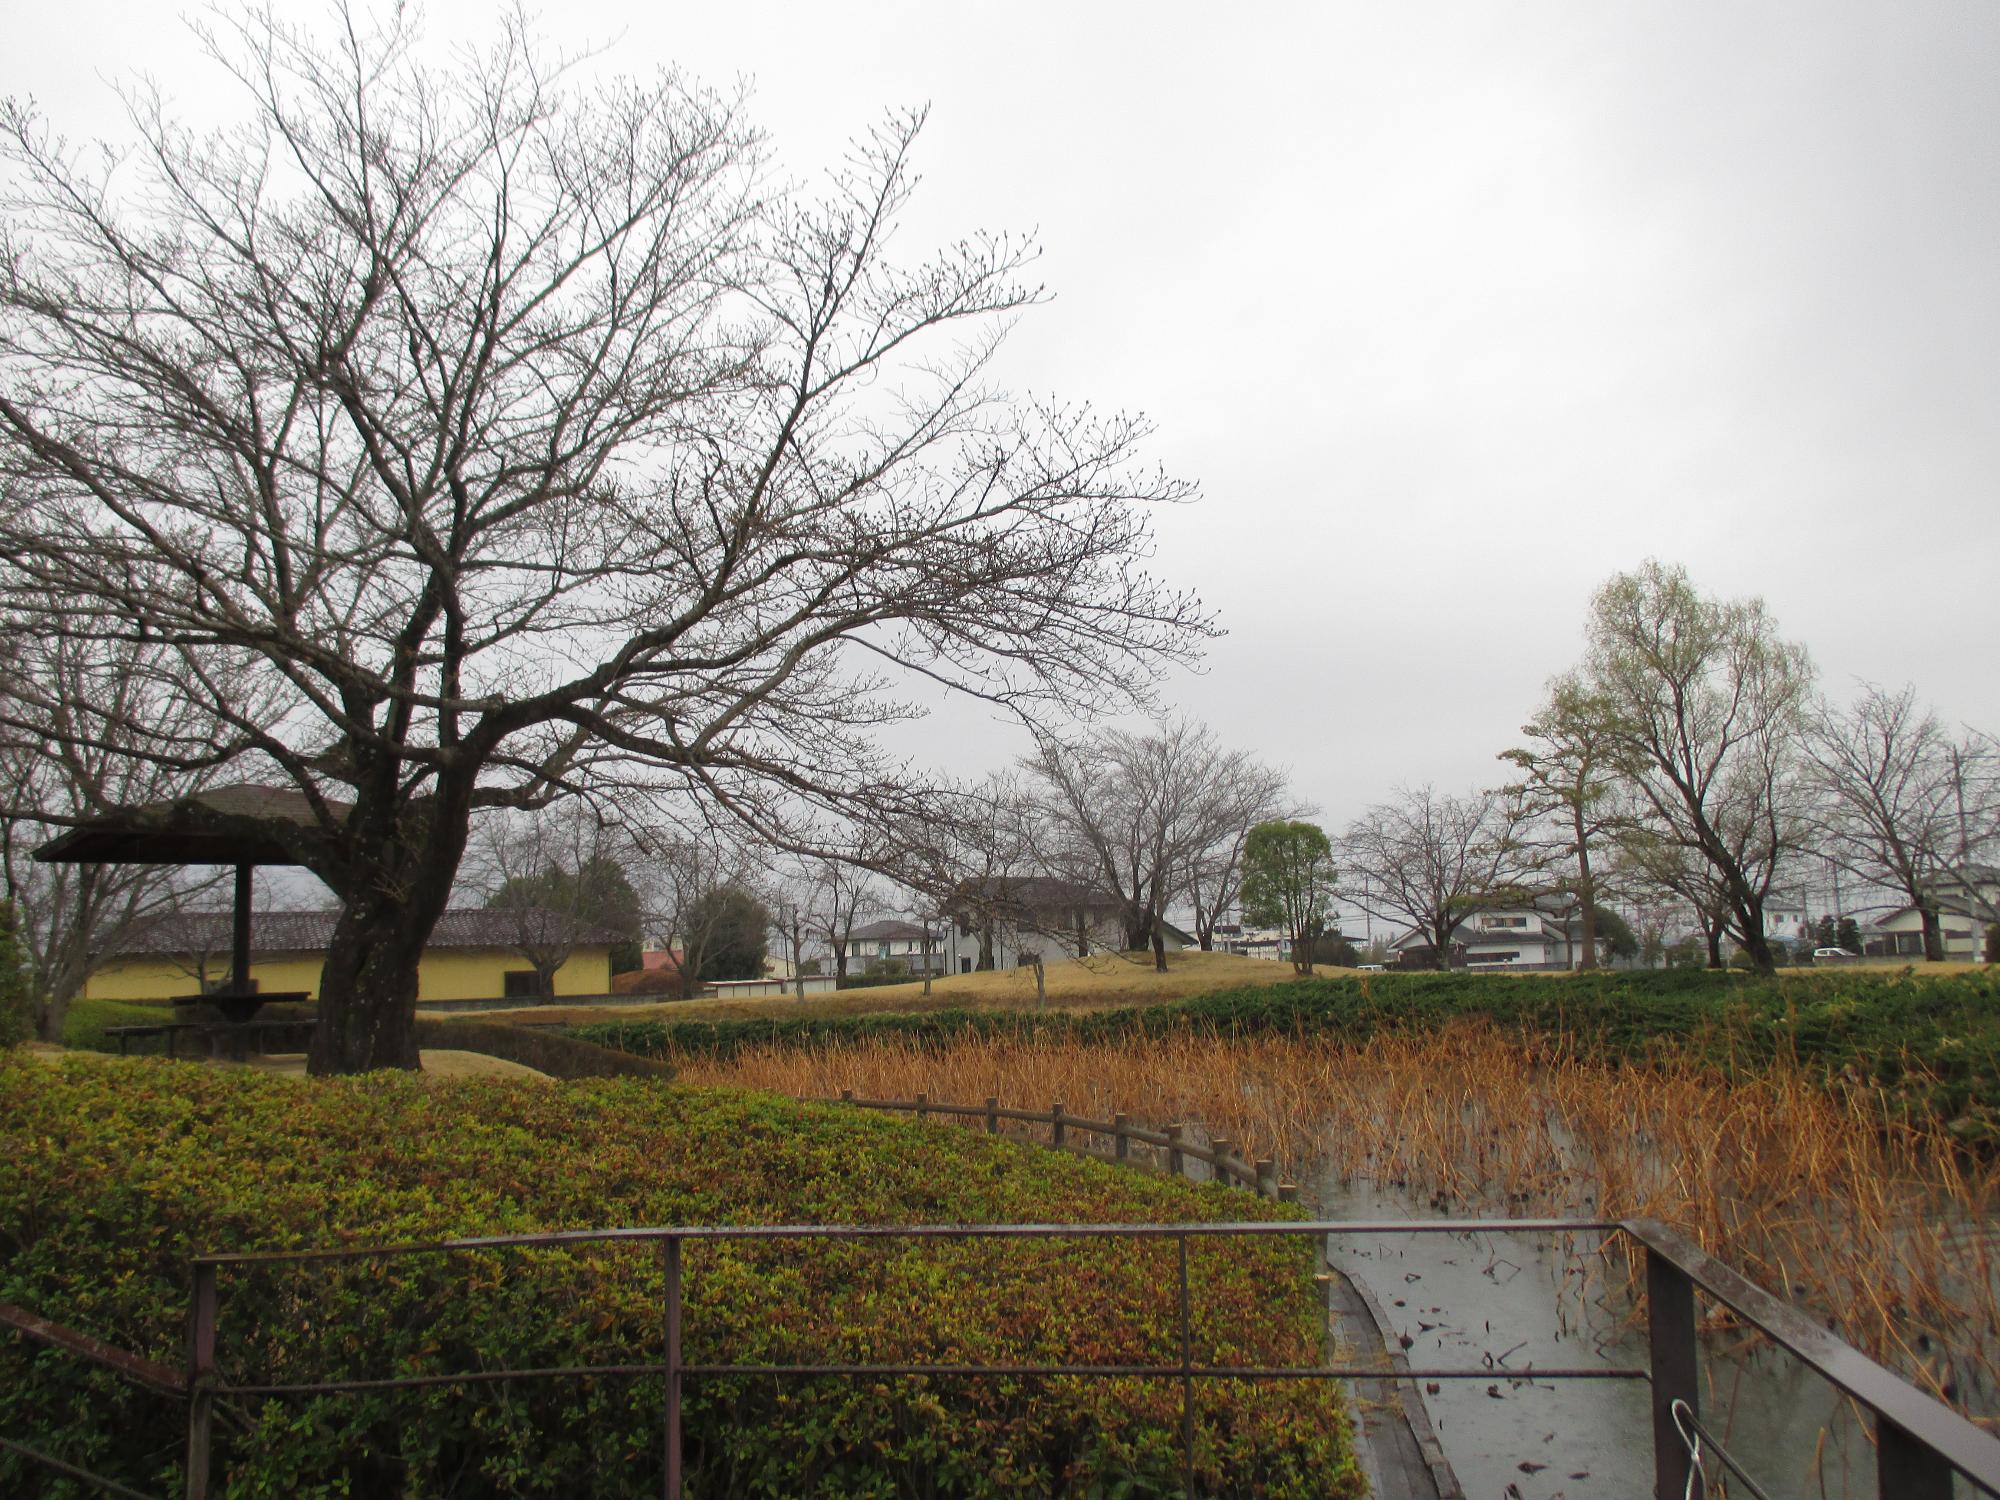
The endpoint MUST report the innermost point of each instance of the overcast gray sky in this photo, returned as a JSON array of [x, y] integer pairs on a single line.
[[1452, 310]]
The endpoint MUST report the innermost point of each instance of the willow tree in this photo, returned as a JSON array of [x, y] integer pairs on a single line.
[[536, 441], [1702, 708]]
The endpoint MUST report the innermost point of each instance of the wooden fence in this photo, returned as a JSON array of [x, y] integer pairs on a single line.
[[1171, 1148]]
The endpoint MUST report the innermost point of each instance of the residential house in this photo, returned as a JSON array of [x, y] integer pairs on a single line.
[[1500, 937], [472, 955], [875, 946], [1021, 915], [1968, 901]]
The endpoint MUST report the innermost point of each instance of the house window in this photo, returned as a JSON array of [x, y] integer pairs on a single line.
[[882, 949], [521, 984], [1506, 922]]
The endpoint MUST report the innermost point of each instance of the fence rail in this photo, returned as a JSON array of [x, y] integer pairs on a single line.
[[1219, 1154], [1920, 1443]]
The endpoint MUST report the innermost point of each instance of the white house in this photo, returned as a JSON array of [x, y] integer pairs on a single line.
[[1021, 915], [1968, 901], [875, 945], [1785, 917], [1510, 937]]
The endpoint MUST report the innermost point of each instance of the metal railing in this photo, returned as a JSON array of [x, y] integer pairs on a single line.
[[1920, 1443]]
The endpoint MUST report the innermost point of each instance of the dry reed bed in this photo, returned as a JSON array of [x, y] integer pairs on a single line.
[[1874, 1225]]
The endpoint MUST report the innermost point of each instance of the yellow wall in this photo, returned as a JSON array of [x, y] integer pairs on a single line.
[[444, 974]]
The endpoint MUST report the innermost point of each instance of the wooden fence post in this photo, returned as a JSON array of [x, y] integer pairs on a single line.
[[1220, 1145], [847, 1096], [1288, 1192], [992, 1116], [201, 1381], [1267, 1177], [1056, 1132], [1175, 1163], [923, 1105], [1121, 1143]]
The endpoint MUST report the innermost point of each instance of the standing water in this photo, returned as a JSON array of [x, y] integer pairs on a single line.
[[1509, 1303]]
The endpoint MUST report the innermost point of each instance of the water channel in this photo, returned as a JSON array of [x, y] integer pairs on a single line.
[[1509, 1302]]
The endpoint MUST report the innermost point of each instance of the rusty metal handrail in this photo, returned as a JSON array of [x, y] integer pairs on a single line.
[[133, 1367], [1920, 1442]]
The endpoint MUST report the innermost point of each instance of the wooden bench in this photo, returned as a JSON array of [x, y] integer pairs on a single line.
[[230, 1038]]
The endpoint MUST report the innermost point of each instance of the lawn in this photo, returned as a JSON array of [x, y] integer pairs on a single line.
[[112, 1172], [1102, 981]]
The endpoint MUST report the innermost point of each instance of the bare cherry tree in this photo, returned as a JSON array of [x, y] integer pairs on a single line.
[[78, 724], [557, 879], [536, 438], [678, 873], [1132, 814], [980, 845], [1427, 859], [1888, 785], [842, 896]]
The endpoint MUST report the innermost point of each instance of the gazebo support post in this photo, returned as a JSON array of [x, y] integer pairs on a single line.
[[239, 956]]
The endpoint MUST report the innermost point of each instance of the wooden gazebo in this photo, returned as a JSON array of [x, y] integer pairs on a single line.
[[219, 826]]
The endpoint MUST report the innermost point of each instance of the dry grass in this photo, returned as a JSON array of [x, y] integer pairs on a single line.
[[1102, 981], [1875, 1226]]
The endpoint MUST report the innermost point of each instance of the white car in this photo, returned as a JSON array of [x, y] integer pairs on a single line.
[[1833, 956]]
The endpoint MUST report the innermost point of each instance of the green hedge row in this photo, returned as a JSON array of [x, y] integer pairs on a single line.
[[112, 1172], [1933, 1042]]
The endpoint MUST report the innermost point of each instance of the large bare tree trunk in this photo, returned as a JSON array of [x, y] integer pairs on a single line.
[[368, 988], [368, 993], [1933, 935]]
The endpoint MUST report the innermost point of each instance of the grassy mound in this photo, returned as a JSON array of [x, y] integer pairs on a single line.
[[1930, 1041], [113, 1172]]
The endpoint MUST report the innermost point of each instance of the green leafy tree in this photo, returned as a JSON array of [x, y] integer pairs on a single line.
[[1288, 882], [736, 928], [1615, 935]]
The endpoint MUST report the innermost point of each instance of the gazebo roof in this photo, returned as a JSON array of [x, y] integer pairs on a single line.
[[211, 827]]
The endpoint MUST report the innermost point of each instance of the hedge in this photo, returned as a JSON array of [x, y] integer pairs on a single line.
[[113, 1171], [1932, 1042]]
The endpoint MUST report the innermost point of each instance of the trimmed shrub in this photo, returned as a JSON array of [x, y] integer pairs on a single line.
[[16, 1007], [114, 1171]]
